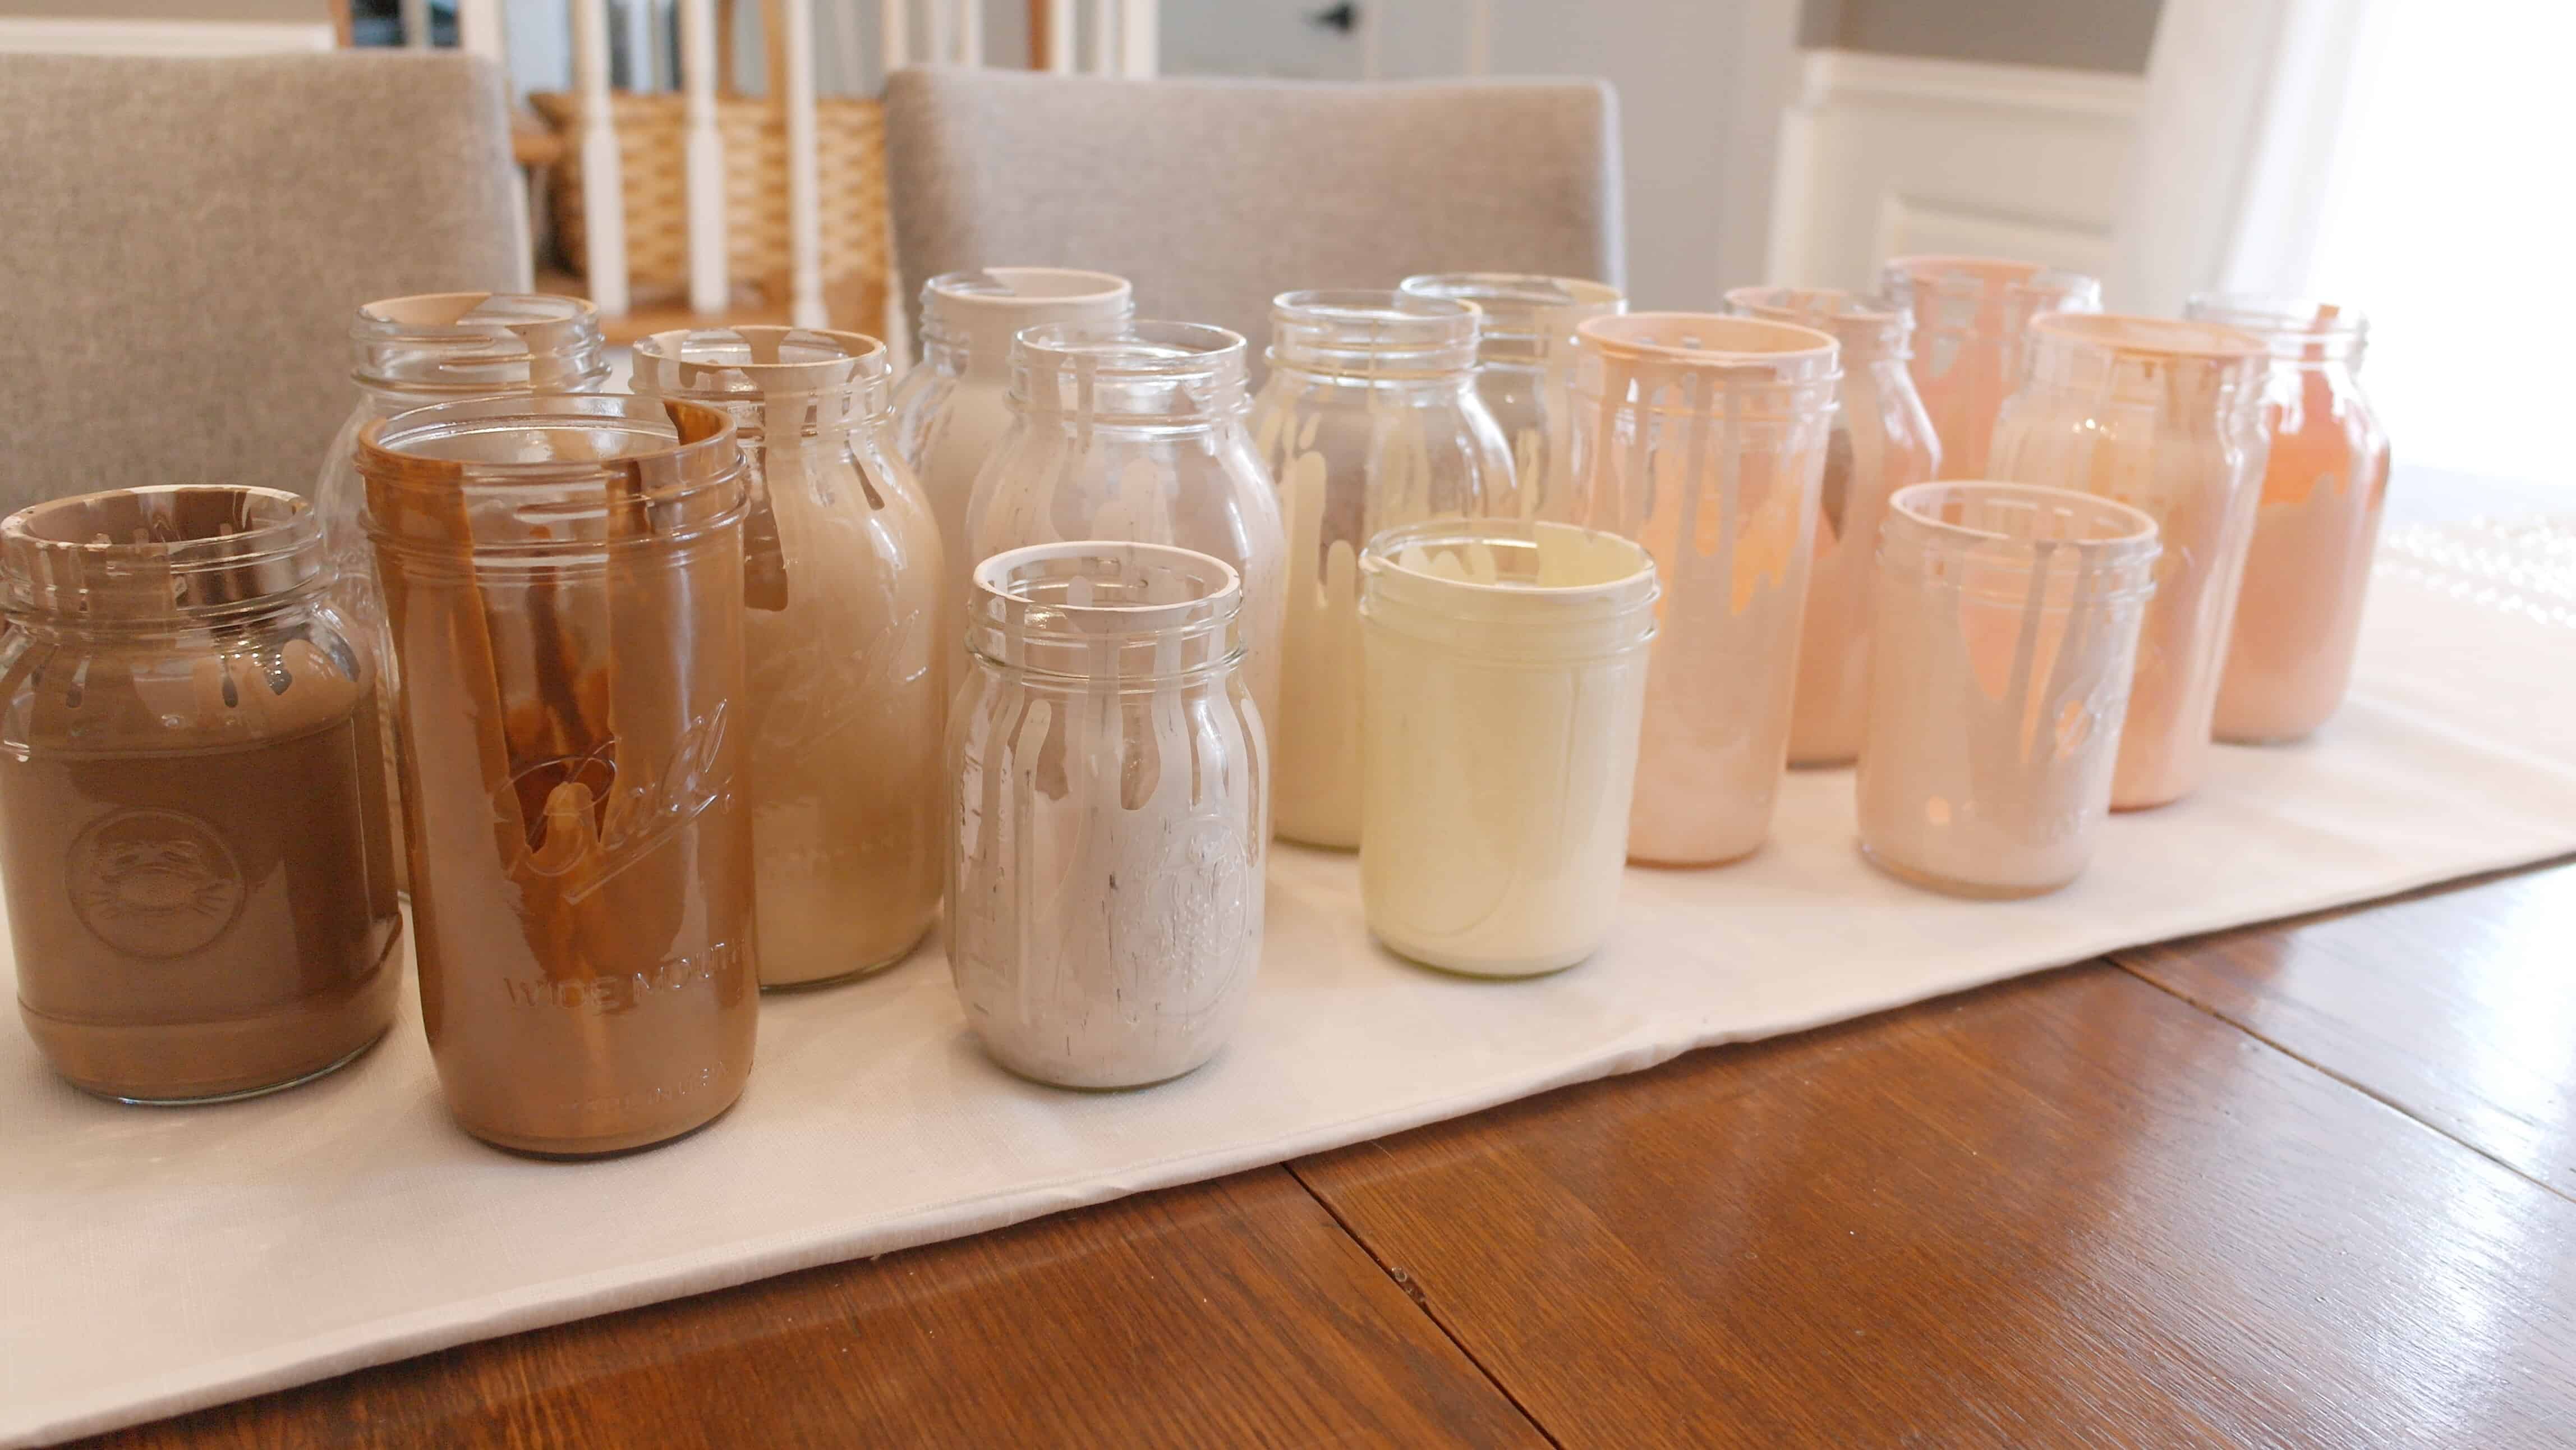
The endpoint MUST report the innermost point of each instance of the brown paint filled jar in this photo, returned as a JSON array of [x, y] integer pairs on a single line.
[[564, 583], [193, 821]]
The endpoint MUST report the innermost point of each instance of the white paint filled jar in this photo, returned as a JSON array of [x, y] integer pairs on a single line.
[[1506, 684], [1111, 813]]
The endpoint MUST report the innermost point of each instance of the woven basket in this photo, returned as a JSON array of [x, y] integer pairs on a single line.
[[652, 149]]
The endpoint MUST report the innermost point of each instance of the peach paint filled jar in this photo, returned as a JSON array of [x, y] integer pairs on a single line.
[[1971, 318], [2006, 632], [1703, 438], [1882, 441], [2160, 415], [2298, 618]]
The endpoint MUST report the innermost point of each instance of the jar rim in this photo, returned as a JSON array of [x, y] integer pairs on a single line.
[[1628, 570], [1779, 351], [747, 364], [1007, 578], [2280, 318], [1001, 289], [1961, 273], [1142, 348], [209, 548], [2130, 335], [1517, 304], [463, 336], [2118, 533], [684, 473], [1864, 319]]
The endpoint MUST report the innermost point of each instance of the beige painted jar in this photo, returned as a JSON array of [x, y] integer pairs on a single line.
[[1704, 440], [2007, 628], [1972, 318], [1525, 352], [1506, 680], [2162, 416]]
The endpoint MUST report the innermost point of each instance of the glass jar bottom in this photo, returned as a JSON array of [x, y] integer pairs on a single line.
[[854, 974], [1486, 969], [1954, 886], [183, 1065]]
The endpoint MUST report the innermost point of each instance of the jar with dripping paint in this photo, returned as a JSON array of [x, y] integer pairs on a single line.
[[1525, 369], [2166, 417], [846, 655], [1972, 319], [2298, 618], [1370, 420], [1110, 814], [1881, 441], [953, 407], [1704, 440], [2007, 626], [1506, 680], [1135, 431]]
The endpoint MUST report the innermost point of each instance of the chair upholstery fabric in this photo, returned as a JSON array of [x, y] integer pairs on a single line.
[[182, 242], [1213, 196]]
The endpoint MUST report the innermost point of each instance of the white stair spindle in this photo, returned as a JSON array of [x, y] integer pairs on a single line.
[[1140, 39], [415, 24], [1059, 37], [804, 171], [603, 173], [941, 32], [479, 30], [709, 289], [894, 33], [970, 32], [1104, 37]]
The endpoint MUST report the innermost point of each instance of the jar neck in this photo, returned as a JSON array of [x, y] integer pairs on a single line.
[[1869, 329], [1528, 321], [164, 558], [968, 319], [1373, 336], [2296, 333], [1148, 375], [470, 344], [1106, 615], [1984, 295], [786, 389], [2144, 361]]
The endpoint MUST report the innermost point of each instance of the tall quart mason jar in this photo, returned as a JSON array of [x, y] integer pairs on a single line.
[[1110, 813], [1370, 420], [1704, 440], [2165, 417], [1882, 441], [1525, 370], [1971, 319], [846, 655], [952, 408], [2298, 619], [1135, 431], [411, 352]]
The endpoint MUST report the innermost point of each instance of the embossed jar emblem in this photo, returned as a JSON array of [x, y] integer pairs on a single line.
[[154, 883]]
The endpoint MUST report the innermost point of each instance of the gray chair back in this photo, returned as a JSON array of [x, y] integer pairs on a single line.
[[1213, 196], [182, 242]]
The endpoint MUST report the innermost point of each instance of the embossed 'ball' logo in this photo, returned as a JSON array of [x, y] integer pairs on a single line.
[[154, 883]]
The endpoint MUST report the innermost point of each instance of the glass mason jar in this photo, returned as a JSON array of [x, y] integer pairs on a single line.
[[2007, 629], [2162, 416], [2298, 620], [953, 407], [1370, 420], [436, 348], [1971, 318], [845, 654], [1525, 369], [1506, 682], [1135, 431], [1881, 441], [564, 578], [1704, 440], [1111, 818], [193, 824]]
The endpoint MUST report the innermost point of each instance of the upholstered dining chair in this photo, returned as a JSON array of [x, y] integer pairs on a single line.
[[182, 242], [1213, 196]]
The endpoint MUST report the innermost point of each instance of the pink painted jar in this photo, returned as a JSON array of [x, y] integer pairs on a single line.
[[1703, 439], [1881, 441], [2298, 618], [1971, 315], [2160, 415]]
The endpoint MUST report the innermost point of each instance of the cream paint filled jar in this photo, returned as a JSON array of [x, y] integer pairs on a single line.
[[1525, 354], [1111, 814], [1506, 680], [2006, 625]]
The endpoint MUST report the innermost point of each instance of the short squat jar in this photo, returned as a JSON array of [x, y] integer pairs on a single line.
[[2298, 618], [1370, 420], [2007, 624], [1704, 440], [846, 656], [1135, 431], [1506, 681], [2163, 416], [1525, 372], [1972, 317], [953, 407], [564, 577], [193, 823], [1111, 822], [1881, 441]]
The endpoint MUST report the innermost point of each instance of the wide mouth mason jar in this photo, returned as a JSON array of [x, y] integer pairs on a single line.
[[847, 656], [1525, 354], [2298, 616], [1972, 316], [1111, 817], [193, 824], [2007, 621], [1506, 681], [564, 579]]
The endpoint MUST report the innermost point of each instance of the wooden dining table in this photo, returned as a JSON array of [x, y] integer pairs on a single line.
[[2311, 1182]]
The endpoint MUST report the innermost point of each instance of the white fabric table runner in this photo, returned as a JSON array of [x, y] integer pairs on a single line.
[[158, 1260]]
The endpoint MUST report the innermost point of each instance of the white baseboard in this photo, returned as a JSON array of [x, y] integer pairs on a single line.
[[60, 36], [1886, 155]]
